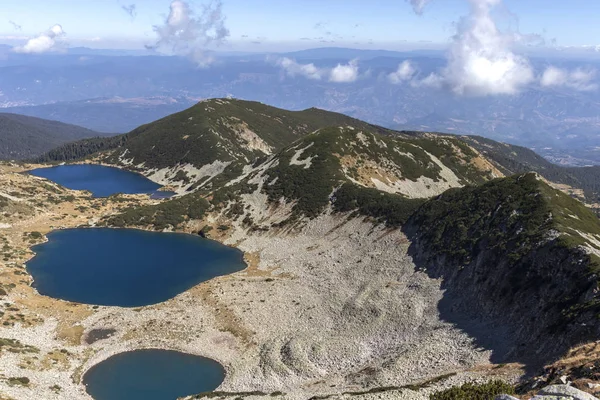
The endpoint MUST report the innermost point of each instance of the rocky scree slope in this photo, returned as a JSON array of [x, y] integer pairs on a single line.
[[25, 137]]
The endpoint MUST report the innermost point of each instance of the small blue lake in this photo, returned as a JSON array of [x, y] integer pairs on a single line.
[[100, 180], [152, 375], [126, 267]]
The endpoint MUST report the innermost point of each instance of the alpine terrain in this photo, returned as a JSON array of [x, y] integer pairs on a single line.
[[380, 263]]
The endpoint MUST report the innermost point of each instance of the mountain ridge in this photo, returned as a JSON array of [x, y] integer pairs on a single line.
[[27, 137]]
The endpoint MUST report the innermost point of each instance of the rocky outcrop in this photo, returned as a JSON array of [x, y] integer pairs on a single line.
[[562, 392]]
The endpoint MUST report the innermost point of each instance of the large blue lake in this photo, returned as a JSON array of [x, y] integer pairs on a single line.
[[152, 375], [100, 180], [126, 267]]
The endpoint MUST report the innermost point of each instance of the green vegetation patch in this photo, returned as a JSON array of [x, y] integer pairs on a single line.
[[170, 213], [309, 187], [509, 213], [392, 209], [81, 149], [470, 391], [456, 155], [4, 202], [18, 381], [15, 346]]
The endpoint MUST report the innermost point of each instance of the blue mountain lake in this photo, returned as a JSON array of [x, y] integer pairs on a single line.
[[126, 267], [152, 375], [100, 180]]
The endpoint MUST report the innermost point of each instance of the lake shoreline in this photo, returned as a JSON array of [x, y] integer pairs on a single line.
[[102, 181], [160, 265]]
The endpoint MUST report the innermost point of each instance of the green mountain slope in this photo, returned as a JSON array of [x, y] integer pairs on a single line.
[[516, 252], [511, 252], [26, 137], [347, 168], [219, 136], [308, 172], [218, 129]]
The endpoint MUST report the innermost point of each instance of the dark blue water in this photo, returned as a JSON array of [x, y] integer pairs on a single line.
[[100, 180], [152, 375], [126, 267]]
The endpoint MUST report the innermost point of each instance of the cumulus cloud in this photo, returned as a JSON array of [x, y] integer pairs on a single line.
[[418, 5], [405, 72], [480, 60], [187, 34], [344, 73], [50, 40], [578, 79], [131, 10], [292, 68]]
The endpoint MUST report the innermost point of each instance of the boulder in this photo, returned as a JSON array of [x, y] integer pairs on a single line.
[[562, 392]]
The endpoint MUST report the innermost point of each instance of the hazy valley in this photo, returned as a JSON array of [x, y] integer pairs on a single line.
[[116, 93]]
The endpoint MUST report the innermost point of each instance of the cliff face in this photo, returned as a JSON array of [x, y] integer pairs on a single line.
[[509, 258]]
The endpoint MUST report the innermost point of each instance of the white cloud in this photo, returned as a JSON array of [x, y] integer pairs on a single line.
[[405, 72], [187, 34], [293, 69], [344, 73], [50, 40], [432, 80], [480, 61], [578, 79], [418, 5]]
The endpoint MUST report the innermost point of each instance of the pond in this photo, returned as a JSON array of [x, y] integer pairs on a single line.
[[100, 180], [126, 267], [152, 375]]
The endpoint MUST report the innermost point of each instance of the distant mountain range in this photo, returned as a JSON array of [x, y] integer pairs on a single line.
[[116, 93], [114, 115], [26, 137]]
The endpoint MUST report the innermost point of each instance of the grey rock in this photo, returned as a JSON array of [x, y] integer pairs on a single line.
[[563, 392], [505, 397]]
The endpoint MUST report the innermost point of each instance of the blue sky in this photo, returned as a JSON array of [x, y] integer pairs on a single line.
[[272, 24]]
